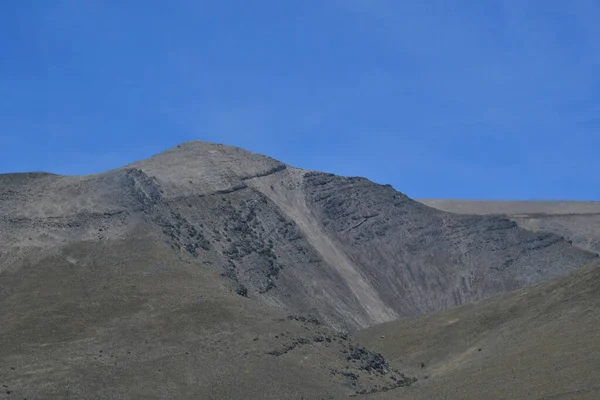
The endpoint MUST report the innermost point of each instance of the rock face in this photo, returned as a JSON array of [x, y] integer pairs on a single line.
[[348, 251]]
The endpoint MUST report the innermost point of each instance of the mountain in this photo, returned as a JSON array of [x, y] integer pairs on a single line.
[[206, 264], [539, 342], [576, 221]]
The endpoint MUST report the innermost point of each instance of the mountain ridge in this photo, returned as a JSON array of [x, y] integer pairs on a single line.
[[576, 221]]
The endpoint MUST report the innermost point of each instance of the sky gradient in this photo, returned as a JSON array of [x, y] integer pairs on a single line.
[[462, 99]]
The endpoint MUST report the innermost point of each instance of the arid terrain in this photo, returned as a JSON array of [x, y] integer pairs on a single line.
[[209, 272]]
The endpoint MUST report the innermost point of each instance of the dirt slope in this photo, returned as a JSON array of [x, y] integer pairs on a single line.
[[541, 342]]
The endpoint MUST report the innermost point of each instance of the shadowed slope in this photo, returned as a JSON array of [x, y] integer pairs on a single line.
[[422, 259]]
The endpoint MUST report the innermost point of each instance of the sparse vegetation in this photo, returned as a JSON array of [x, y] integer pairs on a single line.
[[242, 290]]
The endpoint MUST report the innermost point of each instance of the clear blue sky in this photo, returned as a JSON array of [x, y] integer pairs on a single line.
[[456, 99]]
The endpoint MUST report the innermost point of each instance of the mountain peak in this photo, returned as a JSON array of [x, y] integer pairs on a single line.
[[204, 167]]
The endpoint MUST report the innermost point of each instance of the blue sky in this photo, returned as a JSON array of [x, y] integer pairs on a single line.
[[461, 99]]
